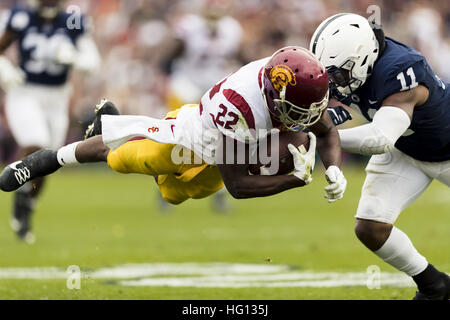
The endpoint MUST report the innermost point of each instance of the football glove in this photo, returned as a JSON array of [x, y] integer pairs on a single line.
[[339, 115], [66, 53], [10, 75], [304, 161], [337, 184]]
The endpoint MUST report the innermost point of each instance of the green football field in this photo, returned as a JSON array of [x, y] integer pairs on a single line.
[[291, 246]]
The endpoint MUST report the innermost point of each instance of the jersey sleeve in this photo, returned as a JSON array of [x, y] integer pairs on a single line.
[[404, 78], [18, 20]]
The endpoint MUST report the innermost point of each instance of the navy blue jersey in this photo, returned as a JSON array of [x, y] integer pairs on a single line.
[[38, 43], [401, 68]]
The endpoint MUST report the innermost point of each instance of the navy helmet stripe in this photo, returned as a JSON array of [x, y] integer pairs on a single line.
[[323, 28]]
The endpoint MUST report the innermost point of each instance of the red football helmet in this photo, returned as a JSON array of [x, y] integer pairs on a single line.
[[295, 88]]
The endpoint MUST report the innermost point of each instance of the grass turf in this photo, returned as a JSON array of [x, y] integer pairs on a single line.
[[96, 218]]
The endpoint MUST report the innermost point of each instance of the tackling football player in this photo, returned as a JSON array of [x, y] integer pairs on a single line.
[[288, 91], [50, 43], [408, 136]]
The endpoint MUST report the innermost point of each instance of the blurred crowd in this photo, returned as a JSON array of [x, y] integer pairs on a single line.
[[160, 54]]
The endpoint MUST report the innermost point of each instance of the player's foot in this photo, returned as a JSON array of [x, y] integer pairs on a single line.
[[104, 107], [220, 202], [163, 206], [22, 233], [440, 290], [21, 217], [38, 164]]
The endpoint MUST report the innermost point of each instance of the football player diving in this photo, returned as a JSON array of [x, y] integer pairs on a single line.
[[50, 42], [288, 91], [408, 136]]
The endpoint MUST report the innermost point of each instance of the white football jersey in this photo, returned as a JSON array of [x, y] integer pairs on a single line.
[[234, 107]]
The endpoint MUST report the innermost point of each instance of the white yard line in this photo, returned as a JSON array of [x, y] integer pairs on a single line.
[[219, 275]]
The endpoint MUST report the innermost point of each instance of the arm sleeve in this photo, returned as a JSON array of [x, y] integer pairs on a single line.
[[378, 137]]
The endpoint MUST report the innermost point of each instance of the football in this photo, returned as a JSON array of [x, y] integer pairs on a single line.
[[286, 161]]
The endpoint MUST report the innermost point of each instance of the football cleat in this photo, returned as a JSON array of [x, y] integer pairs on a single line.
[[104, 107], [38, 164], [438, 291]]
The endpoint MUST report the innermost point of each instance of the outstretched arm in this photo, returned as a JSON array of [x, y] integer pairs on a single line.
[[388, 125], [242, 185], [328, 142], [10, 75], [7, 38], [329, 149]]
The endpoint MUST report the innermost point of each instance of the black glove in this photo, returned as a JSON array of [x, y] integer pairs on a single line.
[[339, 115]]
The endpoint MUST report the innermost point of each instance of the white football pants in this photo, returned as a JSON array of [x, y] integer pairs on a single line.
[[394, 180], [38, 115]]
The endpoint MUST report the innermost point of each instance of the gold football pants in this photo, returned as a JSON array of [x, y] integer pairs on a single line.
[[177, 182]]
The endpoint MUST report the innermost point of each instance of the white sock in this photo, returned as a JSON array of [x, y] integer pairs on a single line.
[[66, 155], [400, 253]]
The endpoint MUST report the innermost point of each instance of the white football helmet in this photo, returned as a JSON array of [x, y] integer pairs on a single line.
[[346, 44]]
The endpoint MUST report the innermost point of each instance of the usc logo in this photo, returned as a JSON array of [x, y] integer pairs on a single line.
[[281, 76], [153, 130]]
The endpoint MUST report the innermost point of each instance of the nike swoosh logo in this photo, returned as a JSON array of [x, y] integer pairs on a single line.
[[14, 165], [171, 128], [373, 102]]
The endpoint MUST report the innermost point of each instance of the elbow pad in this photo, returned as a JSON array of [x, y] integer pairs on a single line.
[[378, 137]]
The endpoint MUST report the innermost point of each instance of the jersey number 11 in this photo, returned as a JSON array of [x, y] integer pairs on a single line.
[[402, 78]]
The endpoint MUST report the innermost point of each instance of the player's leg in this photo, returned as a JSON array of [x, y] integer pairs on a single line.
[[24, 203], [393, 182], [177, 182], [45, 162], [176, 189], [29, 128], [443, 175], [220, 202], [53, 105], [441, 172]]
